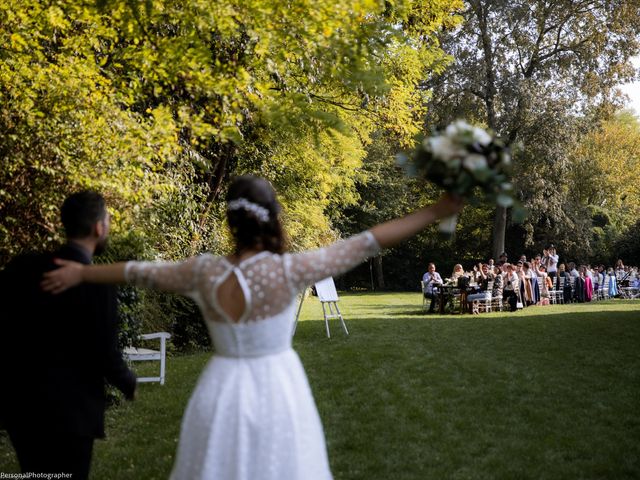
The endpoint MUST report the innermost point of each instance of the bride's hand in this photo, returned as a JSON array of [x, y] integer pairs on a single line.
[[68, 275], [448, 205]]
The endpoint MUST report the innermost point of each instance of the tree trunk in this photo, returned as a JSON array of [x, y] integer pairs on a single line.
[[499, 229], [377, 266], [500, 221]]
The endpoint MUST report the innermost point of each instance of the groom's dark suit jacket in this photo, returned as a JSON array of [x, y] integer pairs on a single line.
[[57, 351]]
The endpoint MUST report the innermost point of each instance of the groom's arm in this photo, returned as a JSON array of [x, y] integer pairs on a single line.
[[114, 367]]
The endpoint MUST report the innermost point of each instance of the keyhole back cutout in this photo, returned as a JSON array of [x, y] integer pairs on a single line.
[[231, 298]]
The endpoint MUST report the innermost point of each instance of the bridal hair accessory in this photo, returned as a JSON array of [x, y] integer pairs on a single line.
[[258, 211]]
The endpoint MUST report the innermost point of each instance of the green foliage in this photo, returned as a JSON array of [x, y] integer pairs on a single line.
[[540, 73], [157, 104], [141, 101], [627, 246]]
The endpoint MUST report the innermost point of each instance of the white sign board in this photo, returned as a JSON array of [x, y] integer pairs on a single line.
[[326, 290]]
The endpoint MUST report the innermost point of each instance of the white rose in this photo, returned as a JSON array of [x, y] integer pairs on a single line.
[[442, 148], [457, 127], [475, 162], [481, 136]]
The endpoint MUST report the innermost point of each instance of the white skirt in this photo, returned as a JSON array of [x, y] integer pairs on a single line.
[[252, 419]]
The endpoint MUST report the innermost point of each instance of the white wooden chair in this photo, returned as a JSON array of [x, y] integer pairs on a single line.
[[424, 299], [496, 303], [557, 293], [483, 304], [603, 290], [133, 354]]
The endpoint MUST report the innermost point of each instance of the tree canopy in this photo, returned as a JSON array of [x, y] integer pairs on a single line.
[[157, 103], [541, 74]]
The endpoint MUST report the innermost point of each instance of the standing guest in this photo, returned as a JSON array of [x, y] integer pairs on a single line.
[[590, 274], [588, 283], [598, 278], [502, 259], [566, 289], [579, 286], [510, 287], [530, 282], [619, 270], [491, 264], [497, 282], [524, 283], [431, 280], [546, 285], [613, 283], [552, 264], [535, 264], [58, 351]]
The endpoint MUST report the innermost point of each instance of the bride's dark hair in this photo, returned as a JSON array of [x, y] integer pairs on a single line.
[[249, 225]]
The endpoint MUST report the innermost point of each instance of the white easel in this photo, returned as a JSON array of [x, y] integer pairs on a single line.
[[328, 297]]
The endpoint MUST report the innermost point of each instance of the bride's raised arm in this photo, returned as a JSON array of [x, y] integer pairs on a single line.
[[306, 268], [390, 233]]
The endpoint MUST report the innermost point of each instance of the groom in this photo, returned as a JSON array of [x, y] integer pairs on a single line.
[[57, 351]]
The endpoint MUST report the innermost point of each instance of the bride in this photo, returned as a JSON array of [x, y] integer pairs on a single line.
[[252, 414]]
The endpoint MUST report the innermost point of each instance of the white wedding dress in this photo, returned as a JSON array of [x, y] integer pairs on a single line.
[[252, 414]]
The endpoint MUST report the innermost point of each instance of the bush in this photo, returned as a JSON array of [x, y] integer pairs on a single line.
[[627, 247]]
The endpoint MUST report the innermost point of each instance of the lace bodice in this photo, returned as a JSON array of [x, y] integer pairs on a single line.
[[269, 283]]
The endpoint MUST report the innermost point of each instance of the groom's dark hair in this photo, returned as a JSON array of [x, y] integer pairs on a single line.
[[81, 211]]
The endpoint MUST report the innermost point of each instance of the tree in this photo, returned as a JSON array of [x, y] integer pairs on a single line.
[[519, 64], [157, 103], [607, 166]]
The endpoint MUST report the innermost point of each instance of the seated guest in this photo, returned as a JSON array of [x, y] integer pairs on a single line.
[[477, 276], [458, 272], [573, 271], [431, 280], [510, 287], [485, 276]]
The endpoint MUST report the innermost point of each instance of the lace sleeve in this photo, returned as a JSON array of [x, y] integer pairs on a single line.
[[306, 268], [178, 277]]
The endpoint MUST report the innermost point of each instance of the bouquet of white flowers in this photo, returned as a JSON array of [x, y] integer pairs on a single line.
[[465, 160]]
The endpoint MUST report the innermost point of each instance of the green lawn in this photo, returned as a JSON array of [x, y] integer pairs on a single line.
[[546, 393]]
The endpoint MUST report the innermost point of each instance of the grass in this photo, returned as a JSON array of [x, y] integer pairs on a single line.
[[546, 393]]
